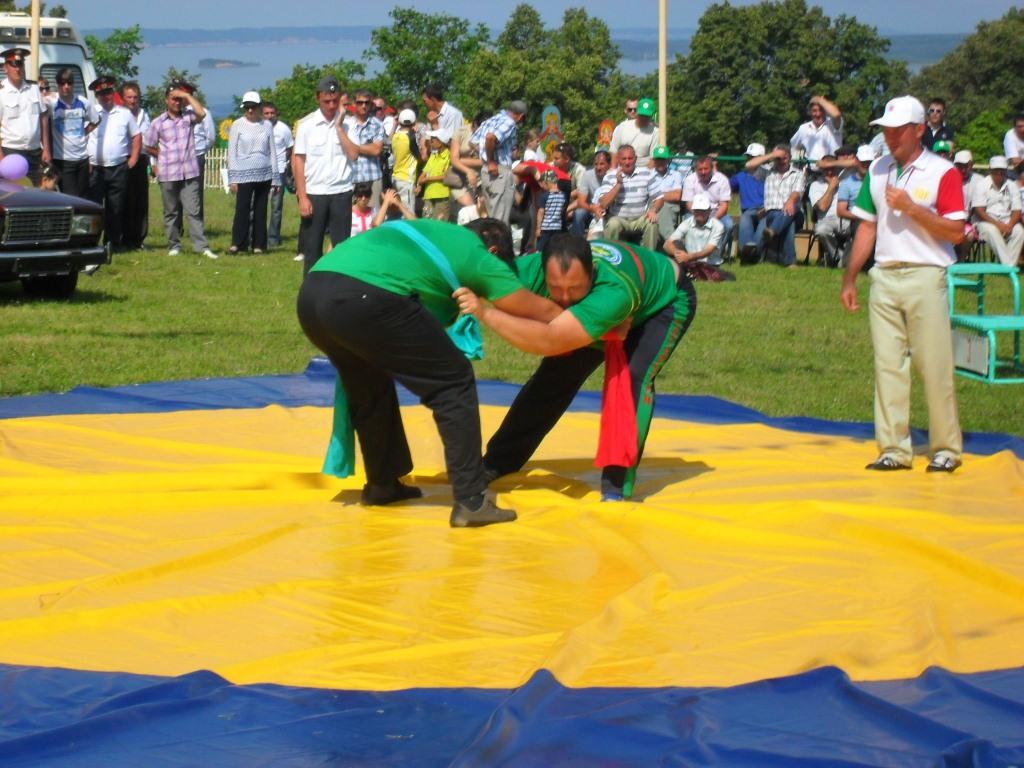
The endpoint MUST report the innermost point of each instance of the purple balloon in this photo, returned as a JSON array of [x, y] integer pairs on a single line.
[[13, 167]]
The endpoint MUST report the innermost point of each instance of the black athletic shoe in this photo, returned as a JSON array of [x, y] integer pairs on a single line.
[[943, 464], [886, 464], [487, 513], [379, 495]]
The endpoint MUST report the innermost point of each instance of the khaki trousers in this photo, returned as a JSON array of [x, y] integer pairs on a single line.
[[1007, 249], [909, 314], [618, 228]]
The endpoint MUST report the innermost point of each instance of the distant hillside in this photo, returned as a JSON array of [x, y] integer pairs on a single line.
[[635, 44]]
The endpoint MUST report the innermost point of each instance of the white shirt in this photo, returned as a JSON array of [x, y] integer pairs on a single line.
[[282, 143], [642, 140], [328, 171], [696, 238], [68, 139], [999, 202], [111, 143], [204, 131], [20, 113], [450, 119], [816, 191], [1013, 145], [819, 140], [717, 189], [974, 191], [143, 120]]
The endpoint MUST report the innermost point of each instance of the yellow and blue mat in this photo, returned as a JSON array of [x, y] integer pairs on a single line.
[[179, 585]]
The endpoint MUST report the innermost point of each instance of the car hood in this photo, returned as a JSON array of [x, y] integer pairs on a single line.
[[15, 195]]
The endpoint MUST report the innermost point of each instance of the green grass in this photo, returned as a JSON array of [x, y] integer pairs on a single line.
[[776, 340]]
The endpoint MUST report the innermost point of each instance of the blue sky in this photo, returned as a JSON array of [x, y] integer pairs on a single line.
[[890, 16]]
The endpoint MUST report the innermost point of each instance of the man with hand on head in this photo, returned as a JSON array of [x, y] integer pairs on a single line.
[[911, 206]]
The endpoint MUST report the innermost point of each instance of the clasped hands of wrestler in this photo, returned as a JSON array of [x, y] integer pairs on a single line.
[[471, 304]]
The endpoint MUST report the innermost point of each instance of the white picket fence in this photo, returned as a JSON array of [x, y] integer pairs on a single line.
[[217, 169]]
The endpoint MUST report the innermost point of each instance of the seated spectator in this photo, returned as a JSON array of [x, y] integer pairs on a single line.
[[999, 214], [1013, 144], [365, 217], [822, 134], [943, 149], [698, 236], [637, 131], [432, 179], [849, 188], [783, 193], [832, 232], [587, 206], [750, 187], [671, 190], [974, 185], [630, 197], [935, 128], [713, 183], [550, 209]]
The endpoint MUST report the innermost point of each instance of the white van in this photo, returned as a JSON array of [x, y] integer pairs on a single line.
[[60, 46]]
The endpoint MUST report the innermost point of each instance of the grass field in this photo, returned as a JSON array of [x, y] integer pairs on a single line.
[[776, 340]]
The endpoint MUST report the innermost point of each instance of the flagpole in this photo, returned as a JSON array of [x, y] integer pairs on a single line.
[[34, 44], [663, 71]]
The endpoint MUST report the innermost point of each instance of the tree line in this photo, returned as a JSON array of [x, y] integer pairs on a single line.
[[748, 75]]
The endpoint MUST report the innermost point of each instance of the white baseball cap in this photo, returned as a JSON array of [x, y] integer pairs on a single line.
[[701, 202], [865, 153], [963, 157], [997, 163], [406, 117], [441, 134], [251, 97], [902, 110], [755, 150]]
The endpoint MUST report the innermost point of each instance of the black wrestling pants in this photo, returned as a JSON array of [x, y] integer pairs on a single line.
[[375, 338]]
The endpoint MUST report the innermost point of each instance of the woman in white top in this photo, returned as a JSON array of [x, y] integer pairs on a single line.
[[252, 165]]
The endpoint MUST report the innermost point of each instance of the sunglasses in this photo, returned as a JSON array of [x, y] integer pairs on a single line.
[[631, 109], [935, 111], [15, 63], [362, 101], [44, 88]]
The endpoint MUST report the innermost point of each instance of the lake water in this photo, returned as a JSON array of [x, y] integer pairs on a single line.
[[273, 62]]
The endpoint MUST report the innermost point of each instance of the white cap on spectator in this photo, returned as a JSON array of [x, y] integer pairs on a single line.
[[902, 110], [997, 163], [251, 97], [467, 213], [865, 153], [441, 134], [755, 150], [702, 202], [963, 157], [406, 117]]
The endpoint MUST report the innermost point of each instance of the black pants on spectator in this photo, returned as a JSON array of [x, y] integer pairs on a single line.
[[331, 213], [375, 338], [35, 160], [74, 177], [136, 207], [108, 186], [250, 207]]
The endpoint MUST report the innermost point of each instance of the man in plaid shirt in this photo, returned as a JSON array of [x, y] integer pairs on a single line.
[[496, 138], [783, 196], [367, 133]]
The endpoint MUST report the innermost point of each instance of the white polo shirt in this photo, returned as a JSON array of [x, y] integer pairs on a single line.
[[110, 143], [931, 182], [818, 140], [999, 202], [20, 111], [328, 171]]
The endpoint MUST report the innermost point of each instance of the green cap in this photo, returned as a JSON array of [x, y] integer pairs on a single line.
[[645, 107], [941, 146], [662, 153]]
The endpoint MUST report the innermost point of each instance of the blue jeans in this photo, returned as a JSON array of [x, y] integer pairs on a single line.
[[785, 228], [580, 222], [750, 227]]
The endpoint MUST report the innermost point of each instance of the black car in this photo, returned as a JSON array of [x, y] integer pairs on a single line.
[[47, 238]]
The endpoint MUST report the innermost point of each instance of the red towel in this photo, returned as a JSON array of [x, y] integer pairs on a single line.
[[616, 447]]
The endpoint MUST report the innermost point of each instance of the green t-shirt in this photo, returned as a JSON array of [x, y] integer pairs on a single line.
[[389, 259], [619, 290]]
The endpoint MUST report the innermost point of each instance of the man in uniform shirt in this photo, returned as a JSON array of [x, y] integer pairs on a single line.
[[73, 119], [113, 151], [136, 210], [24, 115], [283, 143], [912, 209], [377, 306], [170, 141], [602, 286], [322, 161]]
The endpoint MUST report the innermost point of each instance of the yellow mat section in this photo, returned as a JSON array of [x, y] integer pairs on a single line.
[[165, 543]]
